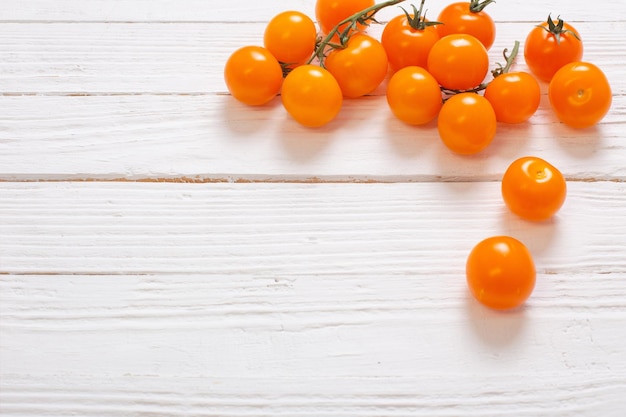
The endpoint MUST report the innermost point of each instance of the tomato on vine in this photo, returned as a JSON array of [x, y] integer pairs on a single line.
[[458, 62], [414, 96], [533, 188], [466, 123], [580, 94], [360, 66], [408, 39], [551, 45], [500, 272], [311, 95], [252, 75], [330, 13], [514, 96], [291, 37], [470, 18]]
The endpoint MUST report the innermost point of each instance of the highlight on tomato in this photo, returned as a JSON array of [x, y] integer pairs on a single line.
[[580, 94], [458, 62], [408, 39], [470, 18], [291, 37], [329, 13], [360, 67], [551, 45], [514, 96], [500, 272], [253, 75], [533, 189], [414, 96], [466, 123], [311, 95]]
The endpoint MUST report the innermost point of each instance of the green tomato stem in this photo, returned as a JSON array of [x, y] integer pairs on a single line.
[[363, 17]]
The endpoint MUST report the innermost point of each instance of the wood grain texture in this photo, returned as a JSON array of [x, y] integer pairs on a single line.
[[246, 11], [167, 251], [350, 299]]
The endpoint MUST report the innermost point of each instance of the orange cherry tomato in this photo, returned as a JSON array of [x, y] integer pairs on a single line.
[[467, 123], [252, 75], [359, 67], [468, 17], [407, 40], [551, 45], [311, 95], [500, 272], [580, 94], [533, 189], [414, 96], [290, 36], [458, 62], [330, 12], [515, 96]]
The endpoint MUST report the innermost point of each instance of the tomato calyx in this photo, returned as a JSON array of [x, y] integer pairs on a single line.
[[509, 59], [362, 18], [477, 6], [418, 20], [556, 29]]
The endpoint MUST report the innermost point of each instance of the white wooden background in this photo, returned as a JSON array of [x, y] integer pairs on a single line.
[[167, 251]]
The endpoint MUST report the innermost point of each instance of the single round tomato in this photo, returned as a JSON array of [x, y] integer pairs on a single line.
[[551, 45], [330, 12], [252, 75], [359, 67], [467, 123], [311, 95], [533, 188], [514, 96], [290, 36], [414, 96], [407, 40], [458, 62], [580, 94], [468, 17], [500, 272]]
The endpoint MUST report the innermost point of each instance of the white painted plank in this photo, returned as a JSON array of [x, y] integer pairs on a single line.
[[175, 58], [295, 229], [213, 137], [529, 395], [245, 11], [314, 299]]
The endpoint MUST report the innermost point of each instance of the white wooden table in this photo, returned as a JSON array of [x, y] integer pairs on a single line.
[[167, 251]]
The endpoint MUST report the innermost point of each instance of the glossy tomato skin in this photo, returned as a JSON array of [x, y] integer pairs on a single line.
[[533, 189], [359, 67], [580, 94], [514, 96], [466, 123], [311, 95], [406, 46], [501, 272], [414, 96], [330, 12], [252, 75], [458, 62], [458, 18], [545, 54], [290, 36]]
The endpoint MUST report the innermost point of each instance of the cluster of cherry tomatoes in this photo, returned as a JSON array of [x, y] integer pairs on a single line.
[[435, 70]]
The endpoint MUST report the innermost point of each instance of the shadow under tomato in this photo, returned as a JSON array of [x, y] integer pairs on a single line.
[[537, 236], [495, 328], [244, 120], [303, 143], [578, 143], [411, 141]]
